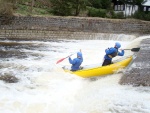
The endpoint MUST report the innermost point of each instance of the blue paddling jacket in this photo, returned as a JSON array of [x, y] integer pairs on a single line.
[[113, 51], [76, 62]]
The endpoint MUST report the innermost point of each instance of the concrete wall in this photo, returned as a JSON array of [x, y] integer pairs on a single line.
[[62, 27], [54, 35]]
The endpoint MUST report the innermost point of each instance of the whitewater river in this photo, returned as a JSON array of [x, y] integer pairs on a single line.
[[43, 86]]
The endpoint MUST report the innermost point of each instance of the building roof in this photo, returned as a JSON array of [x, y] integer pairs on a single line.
[[146, 3]]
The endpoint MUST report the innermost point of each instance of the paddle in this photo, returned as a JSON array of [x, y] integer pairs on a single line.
[[63, 59], [133, 49]]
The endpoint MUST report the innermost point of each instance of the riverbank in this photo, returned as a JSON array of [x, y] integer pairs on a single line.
[[74, 24], [138, 74]]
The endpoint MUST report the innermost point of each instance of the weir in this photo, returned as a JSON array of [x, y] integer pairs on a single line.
[[58, 35]]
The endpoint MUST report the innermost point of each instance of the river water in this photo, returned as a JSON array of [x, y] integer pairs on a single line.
[[43, 86]]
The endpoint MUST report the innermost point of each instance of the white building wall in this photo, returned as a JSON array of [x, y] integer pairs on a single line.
[[129, 9]]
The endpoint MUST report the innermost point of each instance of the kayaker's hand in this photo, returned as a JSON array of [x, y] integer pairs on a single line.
[[121, 49]]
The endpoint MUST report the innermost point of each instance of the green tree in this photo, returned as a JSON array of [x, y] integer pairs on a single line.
[[68, 7], [61, 7], [100, 4], [138, 2], [78, 5]]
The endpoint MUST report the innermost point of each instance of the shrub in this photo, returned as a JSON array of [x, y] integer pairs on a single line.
[[142, 15], [6, 9], [118, 15], [93, 12]]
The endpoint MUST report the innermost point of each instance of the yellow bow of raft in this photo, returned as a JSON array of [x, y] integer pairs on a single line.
[[92, 71]]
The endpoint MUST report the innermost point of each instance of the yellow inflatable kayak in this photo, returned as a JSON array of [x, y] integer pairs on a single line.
[[98, 70]]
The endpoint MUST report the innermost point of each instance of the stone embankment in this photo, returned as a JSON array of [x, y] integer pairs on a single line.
[[68, 27], [53, 28], [139, 71]]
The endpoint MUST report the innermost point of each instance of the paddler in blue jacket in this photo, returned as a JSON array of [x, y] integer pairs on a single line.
[[111, 53], [76, 62]]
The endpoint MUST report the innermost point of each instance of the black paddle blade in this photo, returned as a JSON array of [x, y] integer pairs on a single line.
[[135, 49]]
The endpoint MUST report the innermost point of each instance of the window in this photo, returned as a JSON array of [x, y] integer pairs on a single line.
[[144, 9], [122, 7], [115, 7], [119, 7]]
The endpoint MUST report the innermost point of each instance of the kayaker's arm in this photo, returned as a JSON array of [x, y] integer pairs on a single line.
[[72, 61], [121, 53], [109, 50]]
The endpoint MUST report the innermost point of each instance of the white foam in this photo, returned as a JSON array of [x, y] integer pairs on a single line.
[[45, 88]]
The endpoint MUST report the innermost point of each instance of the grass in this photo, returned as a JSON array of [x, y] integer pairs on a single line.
[[25, 10]]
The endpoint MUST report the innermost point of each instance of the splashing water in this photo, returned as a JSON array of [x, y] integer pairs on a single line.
[[44, 87]]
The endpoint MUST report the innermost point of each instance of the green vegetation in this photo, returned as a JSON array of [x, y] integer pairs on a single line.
[[91, 8], [25, 10], [93, 12], [6, 8], [142, 15]]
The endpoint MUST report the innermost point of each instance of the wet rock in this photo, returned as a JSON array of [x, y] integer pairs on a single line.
[[138, 74], [9, 78]]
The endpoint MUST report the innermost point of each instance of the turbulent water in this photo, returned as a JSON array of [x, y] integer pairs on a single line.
[[43, 87]]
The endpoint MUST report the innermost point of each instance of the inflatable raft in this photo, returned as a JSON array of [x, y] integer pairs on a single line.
[[98, 70]]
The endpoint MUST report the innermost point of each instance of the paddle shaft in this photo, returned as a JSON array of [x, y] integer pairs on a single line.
[[133, 49], [63, 59]]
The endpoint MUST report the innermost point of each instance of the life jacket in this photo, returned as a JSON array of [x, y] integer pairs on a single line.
[[114, 54]]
